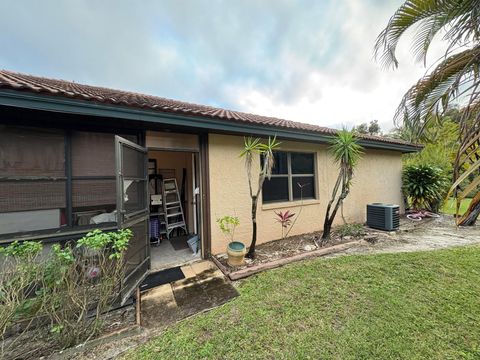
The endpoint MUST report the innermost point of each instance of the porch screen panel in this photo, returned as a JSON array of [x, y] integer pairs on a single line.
[[93, 154], [137, 259], [32, 179], [31, 152], [134, 184], [93, 178]]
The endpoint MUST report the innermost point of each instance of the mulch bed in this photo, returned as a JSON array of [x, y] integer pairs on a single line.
[[288, 247]]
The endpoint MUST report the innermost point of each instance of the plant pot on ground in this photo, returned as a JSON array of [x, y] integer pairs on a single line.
[[236, 250]]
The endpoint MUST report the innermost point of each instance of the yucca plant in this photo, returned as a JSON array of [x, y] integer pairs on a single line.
[[252, 148], [346, 152], [454, 78], [424, 186]]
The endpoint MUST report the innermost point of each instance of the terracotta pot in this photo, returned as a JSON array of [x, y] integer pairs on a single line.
[[236, 253]]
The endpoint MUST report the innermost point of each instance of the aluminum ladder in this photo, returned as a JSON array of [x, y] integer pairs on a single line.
[[174, 217]]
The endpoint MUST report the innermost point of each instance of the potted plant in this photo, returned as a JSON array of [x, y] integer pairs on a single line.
[[236, 250]]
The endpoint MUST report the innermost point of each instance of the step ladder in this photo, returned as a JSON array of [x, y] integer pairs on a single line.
[[172, 207]]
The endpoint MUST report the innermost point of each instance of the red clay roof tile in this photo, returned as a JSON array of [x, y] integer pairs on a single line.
[[23, 82]]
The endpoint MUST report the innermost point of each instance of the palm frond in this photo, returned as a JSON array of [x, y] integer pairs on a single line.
[[454, 78], [268, 158], [430, 16], [451, 80], [345, 148], [459, 18]]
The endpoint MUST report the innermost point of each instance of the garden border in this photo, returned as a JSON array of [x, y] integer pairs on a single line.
[[241, 274]]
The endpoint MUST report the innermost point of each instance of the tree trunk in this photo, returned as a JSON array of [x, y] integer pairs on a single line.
[[251, 249], [471, 215], [327, 226]]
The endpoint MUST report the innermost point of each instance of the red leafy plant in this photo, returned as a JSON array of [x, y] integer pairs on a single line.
[[285, 219]]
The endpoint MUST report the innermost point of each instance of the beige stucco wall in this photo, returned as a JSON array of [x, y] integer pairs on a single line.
[[377, 179]]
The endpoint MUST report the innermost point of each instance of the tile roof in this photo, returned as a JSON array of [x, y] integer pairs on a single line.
[[29, 83]]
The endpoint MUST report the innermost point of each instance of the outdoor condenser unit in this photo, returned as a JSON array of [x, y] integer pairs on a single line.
[[383, 216]]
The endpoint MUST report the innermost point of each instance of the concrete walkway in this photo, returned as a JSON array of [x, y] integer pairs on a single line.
[[431, 234], [204, 287]]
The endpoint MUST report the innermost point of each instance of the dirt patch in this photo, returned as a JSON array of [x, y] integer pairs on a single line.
[[37, 342]]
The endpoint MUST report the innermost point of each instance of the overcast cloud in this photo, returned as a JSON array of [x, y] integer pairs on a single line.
[[308, 61]]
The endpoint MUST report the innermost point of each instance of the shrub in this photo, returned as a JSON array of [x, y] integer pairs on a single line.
[[285, 219], [354, 230], [20, 270], [424, 186], [71, 288], [81, 284], [227, 225]]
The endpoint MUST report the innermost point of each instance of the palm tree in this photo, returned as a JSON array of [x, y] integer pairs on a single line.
[[254, 147], [346, 152], [453, 79]]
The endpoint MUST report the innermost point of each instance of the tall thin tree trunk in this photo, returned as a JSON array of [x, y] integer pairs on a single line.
[[251, 250], [327, 225]]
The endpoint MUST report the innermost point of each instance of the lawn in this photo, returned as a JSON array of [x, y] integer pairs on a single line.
[[423, 305], [449, 207]]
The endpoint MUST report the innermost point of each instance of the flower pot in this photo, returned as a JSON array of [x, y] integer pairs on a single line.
[[236, 253]]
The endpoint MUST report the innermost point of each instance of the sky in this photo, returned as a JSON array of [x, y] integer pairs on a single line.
[[308, 61]]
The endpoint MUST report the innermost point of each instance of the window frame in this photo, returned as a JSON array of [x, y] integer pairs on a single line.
[[291, 175]]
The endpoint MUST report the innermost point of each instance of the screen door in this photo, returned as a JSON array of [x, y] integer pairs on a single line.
[[132, 210]]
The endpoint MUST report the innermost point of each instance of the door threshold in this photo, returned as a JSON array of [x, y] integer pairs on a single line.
[[174, 264]]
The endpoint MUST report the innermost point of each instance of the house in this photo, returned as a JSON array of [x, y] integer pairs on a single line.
[[75, 157]]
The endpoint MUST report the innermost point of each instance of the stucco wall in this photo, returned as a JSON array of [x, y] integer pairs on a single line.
[[377, 179]]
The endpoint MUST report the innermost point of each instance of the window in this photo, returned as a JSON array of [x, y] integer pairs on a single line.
[[293, 178]]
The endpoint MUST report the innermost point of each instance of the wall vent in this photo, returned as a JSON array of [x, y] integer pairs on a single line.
[[383, 216]]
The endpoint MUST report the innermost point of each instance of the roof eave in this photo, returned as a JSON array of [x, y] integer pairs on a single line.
[[81, 107]]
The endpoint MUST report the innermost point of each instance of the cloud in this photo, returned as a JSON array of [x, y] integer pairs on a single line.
[[309, 61]]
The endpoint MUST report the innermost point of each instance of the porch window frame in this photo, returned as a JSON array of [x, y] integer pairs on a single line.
[[290, 177]]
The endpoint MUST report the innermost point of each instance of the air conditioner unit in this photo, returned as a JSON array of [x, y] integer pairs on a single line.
[[383, 216]]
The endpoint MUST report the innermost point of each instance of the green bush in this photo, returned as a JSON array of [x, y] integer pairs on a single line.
[[354, 230], [424, 186], [71, 287], [81, 283], [20, 269]]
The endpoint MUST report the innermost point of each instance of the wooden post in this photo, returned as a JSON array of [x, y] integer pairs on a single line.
[[138, 308]]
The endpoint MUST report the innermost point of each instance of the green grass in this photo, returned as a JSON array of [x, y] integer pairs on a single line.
[[423, 305], [450, 204]]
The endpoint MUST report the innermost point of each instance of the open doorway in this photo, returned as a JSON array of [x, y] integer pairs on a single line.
[[174, 193]]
